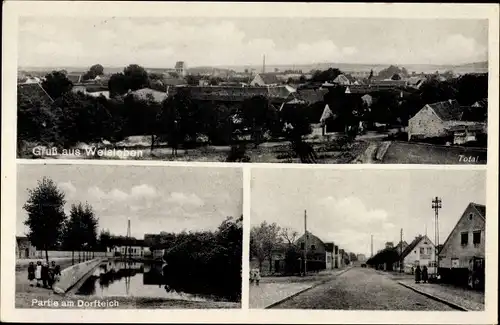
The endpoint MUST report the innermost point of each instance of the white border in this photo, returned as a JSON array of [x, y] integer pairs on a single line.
[[157, 9]]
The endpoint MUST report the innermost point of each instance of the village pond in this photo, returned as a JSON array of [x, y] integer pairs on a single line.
[[117, 278]]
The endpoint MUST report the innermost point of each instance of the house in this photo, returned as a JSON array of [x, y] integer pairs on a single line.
[[316, 251], [330, 256], [421, 251], [24, 249], [265, 79], [32, 91], [416, 82], [145, 93], [443, 120], [361, 258], [465, 245], [94, 90], [128, 247], [342, 80], [74, 78]]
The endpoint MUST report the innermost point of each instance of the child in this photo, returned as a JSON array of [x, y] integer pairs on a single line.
[[257, 276]]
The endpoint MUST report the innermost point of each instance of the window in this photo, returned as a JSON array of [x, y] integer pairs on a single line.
[[476, 237], [313, 247], [470, 216], [432, 263], [422, 250], [464, 238], [429, 250], [302, 245]]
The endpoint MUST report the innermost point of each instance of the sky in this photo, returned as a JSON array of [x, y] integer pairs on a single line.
[[348, 206], [155, 199], [160, 42]]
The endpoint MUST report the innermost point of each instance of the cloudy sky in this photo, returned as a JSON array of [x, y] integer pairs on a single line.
[[154, 198], [155, 42], [348, 206]]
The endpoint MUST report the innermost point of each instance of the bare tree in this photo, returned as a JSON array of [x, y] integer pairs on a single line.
[[289, 235]]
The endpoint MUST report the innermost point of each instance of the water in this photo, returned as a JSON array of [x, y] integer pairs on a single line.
[[132, 279]]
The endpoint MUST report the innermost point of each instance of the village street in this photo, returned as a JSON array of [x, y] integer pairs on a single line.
[[362, 289]]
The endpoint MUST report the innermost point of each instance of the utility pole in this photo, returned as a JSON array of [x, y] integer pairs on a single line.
[[264, 64], [371, 247], [305, 242], [436, 205], [401, 251], [128, 239]]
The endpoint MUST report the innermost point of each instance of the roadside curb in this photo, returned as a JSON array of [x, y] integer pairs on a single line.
[[304, 290], [444, 301]]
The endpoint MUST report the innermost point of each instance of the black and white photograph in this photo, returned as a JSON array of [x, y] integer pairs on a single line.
[[254, 90], [368, 239], [108, 237]]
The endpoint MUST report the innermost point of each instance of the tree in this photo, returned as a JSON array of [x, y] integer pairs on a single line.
[[289, 235], [83, 118], [136, 77], [118, 85], [56, 84], [89, 222], [46, 218], [326, 75], [193, 80], [178, 119], [263, 239], [36, 119], [391, 71], [94, 71], [259, 115], [302, 79], [105, 240]]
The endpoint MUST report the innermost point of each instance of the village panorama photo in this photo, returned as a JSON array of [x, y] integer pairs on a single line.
[[357, 240], [261, 90], [123, 237]]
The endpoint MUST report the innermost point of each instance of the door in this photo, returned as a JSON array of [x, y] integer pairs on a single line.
[[26, 253]]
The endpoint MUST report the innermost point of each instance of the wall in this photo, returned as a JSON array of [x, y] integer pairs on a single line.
[[54, 254], [425, 123], [71, 275], [453, 247]]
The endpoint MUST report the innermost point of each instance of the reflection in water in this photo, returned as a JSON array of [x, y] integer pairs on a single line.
[[133, 279]]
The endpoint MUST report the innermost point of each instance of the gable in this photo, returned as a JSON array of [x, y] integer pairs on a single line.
[[471, 218], [425, 113]]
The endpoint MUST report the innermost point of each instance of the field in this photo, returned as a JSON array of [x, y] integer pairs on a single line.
[[418, 153]]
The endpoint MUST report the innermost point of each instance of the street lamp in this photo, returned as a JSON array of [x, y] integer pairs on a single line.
[[436, 205]]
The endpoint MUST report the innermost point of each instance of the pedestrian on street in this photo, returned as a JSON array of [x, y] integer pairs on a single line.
[[31, 273], [425, 274], [418, 274], [38, 273], [252, 276]]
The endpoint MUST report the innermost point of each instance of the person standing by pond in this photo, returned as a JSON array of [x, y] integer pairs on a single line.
[[31, 273], [38, 273], [45, 274], [55, 273]]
